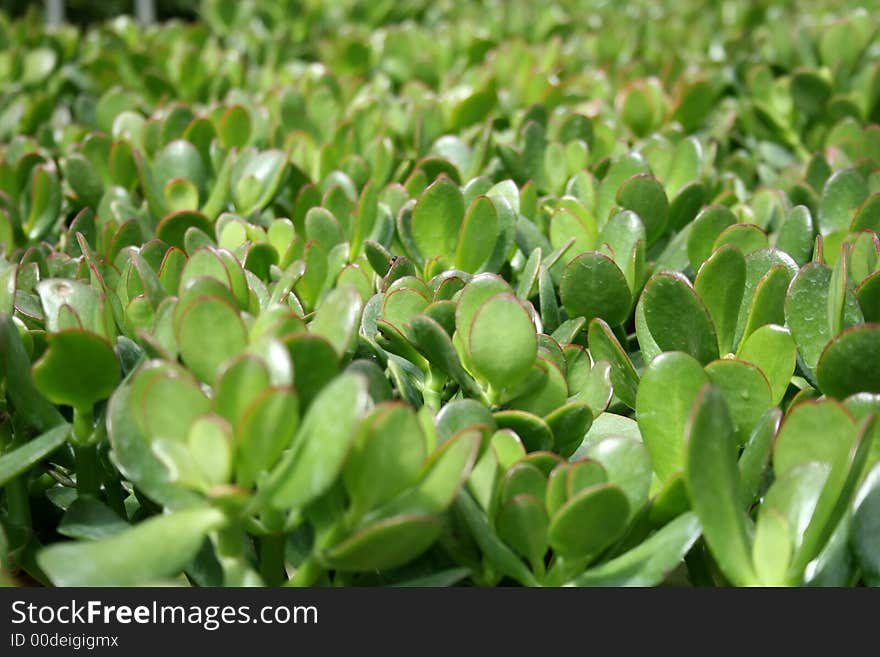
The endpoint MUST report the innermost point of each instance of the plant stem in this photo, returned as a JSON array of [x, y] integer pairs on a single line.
[[88, 477], [272, 559], [308, 573], [229, 544]]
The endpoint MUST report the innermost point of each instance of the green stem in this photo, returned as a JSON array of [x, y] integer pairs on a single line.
[[229, 545], [272, 559], [432, 389], [83, 425], [88, 477], [18, 504], [308, 573]]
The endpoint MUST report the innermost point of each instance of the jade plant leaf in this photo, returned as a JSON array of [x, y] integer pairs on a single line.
[[677, 318], [846, 365], [666, 395], [78, 369], [712, 481], [502, 341], [154, 549], [321, 444], [592, 285], [651, 561]]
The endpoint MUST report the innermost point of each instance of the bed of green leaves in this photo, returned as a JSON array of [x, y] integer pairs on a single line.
[[441, 293]]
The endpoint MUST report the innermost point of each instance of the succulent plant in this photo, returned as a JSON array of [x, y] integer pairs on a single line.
[[460, 294]]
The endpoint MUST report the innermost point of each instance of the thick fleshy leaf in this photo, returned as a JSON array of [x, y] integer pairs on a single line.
[[822, 431], [712, 481], [746, 391], [479, 234], [627, 464], [592, 285], [209, 331], [15, 367], [384, 544], [844, 191], [154, 549], [20, 459], [666, 395], [522, 523], [604, 346], [644, 195], [338, 317], [772, 349], [678, 319], [589, 522], [755, 457], [502, 341], [78, 369], [705, 229], [806, 313], [651, 561], [265, 429], [386, 457], [866, 524], [720, 283], [321, 445], [848, 364], [437, 219]]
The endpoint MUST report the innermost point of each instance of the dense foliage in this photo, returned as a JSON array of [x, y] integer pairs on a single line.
[[371, 293]]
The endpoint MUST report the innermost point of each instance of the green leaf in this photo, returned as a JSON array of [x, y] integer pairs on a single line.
[[502, 341], [569, 424], [338, 317], [239, 383], [209, 331], [478, 236], [321, 445], [154, 549], [592, 285], [755, 457], [772, 349], [651, 561], [499, 555], [531, 430], [772, 549], [713, 485], [78, 369], [848, 363], [677, 318], [665, 398], [91, 520], [589, 522], [315, 363], [522, 523], [15, 366], [822, 431], [258, 180], [22, 458], [628, 465], [604, 346], [806, 313], [386, 457], [844, 191], [720, 283], [265, 429], [705, 229], [745, 390], [644, 195], [384, 544], [437, 219], [866, 524], [434, 343], [234, 127]]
